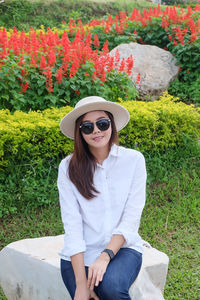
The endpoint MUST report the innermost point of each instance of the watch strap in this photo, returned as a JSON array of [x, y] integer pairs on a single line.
[[110, 253]]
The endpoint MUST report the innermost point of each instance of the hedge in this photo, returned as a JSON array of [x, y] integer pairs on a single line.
[[154, 126]]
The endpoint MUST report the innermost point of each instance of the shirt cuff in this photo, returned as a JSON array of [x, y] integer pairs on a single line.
[[72, 248], [130, 237]]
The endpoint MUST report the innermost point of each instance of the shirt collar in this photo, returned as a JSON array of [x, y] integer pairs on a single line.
[[114, 151]]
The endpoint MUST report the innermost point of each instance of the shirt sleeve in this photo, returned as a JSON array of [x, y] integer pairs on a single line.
[[70, 213], [130, 220]]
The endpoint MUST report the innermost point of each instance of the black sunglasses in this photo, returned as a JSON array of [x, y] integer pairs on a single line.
[[88, 127]]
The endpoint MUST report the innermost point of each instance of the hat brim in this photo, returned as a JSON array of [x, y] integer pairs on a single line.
[[120, 114]]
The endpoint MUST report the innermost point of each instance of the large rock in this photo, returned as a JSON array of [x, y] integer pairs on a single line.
[[30, 270], [156, 1], [156, 66]]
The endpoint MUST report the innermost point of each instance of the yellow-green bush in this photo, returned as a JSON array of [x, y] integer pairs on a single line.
[[153, 126], [32, 136], [160, 124]]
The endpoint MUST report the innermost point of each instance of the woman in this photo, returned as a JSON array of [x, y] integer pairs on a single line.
[[102, 195]]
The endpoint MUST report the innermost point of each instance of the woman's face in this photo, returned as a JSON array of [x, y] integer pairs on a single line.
[[97, 139]]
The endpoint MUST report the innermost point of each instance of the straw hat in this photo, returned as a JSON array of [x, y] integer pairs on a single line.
[[85, 105]]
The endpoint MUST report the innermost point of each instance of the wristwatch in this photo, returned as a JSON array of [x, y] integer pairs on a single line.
[[110, 253]]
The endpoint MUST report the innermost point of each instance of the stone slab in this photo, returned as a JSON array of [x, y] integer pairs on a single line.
[[30, 270]]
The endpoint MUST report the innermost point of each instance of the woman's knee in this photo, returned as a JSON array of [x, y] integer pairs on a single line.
[[120, 275], [110, 289]]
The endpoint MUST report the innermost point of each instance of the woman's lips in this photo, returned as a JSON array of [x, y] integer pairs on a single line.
[[97, 138]]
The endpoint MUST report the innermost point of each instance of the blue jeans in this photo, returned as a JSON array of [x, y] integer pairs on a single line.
[[120, 274]]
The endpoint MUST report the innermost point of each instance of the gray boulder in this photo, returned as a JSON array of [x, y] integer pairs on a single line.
[[156, 1], [156, 66]]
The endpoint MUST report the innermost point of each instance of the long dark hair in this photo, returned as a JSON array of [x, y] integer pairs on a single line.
[[82, 164]]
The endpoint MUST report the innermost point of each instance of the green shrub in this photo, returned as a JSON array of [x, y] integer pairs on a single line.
[[187, 56], [32, 136], [35, 136], [160, 124], [189, 92], [181, 3]]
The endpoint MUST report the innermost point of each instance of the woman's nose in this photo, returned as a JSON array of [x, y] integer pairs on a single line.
[[96, 129]]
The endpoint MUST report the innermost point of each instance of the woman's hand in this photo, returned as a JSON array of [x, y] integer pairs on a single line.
[[93, 295], [82, 292], [97, 270]]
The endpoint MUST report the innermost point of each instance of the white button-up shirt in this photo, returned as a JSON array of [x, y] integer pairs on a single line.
[[90, 224]]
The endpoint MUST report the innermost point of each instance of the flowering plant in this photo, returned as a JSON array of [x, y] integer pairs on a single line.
[[41, 69], [37, 72]]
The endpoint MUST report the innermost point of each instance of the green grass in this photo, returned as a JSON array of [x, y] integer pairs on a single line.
[[23, 13], [170, 220]]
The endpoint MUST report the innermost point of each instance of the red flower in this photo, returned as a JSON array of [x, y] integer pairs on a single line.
[[193, 37], [43, 63], [129, 64], [122, 65], [117, 28], [117, 58], [25, 86], [71, 26], [21, 62], [59, 75], [49, 82], [74, 68], [51, 58], [110, 63], [88, 40], [94, 75], [105, 47], [32, 62], [138, 79], [103, 77], [96, 41], [24, 72]]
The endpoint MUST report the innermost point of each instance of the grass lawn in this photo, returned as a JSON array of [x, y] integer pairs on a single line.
[[52, 12], [170, 220]]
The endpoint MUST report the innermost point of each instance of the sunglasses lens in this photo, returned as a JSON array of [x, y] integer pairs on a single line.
[[87, 128], [103, 124]]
